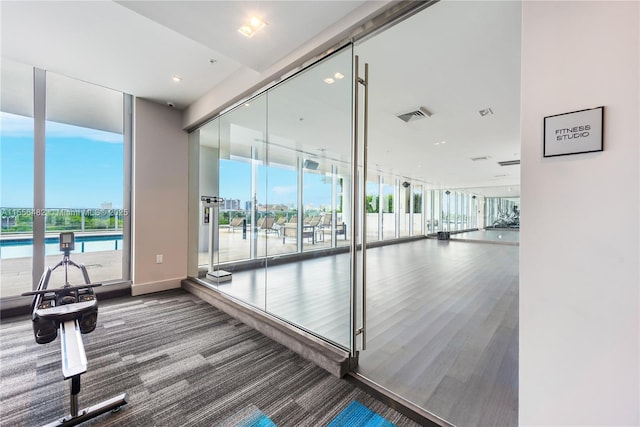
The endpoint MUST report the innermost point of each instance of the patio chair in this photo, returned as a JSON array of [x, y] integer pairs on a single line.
[[326, 227], [278, 226], [236, 222], [266, 223]]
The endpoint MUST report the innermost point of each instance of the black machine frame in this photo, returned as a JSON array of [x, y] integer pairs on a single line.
[[71, 311]]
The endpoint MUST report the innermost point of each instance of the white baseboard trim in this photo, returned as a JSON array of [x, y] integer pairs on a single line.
[[150, 287]]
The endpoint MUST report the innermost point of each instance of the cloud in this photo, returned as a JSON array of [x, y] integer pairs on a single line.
[[283, 190], [16, 126], [61, 130], [13, 125]]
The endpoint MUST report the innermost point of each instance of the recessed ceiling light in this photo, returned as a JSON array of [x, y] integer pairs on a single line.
[[252, 27], [436, 143], [443, 142], [338, 76], [176, 79], [328, 80]]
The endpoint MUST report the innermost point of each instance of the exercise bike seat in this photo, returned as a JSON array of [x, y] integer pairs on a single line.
[[51, 308], [63, 313]]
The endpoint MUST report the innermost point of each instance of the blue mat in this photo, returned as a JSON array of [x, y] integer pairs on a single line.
[[257, 419], [250, 416], [358, 415]]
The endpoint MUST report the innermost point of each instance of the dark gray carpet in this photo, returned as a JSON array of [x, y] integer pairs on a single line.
[[183, 363]]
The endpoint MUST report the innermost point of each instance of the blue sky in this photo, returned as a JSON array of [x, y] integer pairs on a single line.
[[276, 185], [84, 167]]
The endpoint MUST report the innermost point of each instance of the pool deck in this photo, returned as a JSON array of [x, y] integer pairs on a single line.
[[102, 266]]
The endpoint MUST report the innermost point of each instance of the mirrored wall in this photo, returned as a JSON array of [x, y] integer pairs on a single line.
[[502, 212]]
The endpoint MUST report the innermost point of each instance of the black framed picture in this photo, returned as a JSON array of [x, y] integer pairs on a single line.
[[576, 132]]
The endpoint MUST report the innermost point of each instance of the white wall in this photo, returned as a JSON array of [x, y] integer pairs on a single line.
[[579, 256], [160, 167]]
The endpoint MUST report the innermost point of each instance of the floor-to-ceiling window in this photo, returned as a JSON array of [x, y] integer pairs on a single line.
[[16, 157], [65, 156], [404, 209], [388, 200], [417, 208], [372, 210], [84, 173]]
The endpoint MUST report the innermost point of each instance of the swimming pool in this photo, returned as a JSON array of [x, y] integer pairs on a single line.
[[23, 247]]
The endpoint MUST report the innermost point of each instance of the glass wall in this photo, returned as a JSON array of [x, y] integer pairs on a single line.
[[63, 143], [282, 163], [16, 178]]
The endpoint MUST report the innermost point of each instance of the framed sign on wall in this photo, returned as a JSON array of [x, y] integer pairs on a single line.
[[574, 133]]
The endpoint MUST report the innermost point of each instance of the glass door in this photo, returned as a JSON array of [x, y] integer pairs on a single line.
[[308, 193], [436, 321]]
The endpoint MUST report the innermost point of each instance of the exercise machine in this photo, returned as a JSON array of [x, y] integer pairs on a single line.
[[71, 311], [212, 204]]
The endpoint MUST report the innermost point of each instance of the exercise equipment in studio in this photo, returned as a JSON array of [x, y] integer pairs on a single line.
[[69, 311]]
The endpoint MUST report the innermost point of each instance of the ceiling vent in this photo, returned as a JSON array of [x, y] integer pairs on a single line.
[[418, 113], [509, 163], [477, 159]]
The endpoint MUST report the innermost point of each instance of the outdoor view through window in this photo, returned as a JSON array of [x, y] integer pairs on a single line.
[[83, 160]]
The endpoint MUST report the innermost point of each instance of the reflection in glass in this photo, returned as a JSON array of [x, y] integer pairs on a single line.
[[16, 176], [502, 212]]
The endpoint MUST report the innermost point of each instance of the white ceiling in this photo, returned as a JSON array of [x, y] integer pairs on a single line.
[[137, 46], [454, 58]]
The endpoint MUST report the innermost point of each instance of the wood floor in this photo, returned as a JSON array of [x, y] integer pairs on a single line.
[[442, 321]]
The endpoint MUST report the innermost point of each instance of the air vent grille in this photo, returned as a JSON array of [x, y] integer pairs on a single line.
[[418, 113], [509, 163]]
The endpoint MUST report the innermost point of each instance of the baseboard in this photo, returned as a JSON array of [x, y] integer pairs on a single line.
[[151, 287]]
